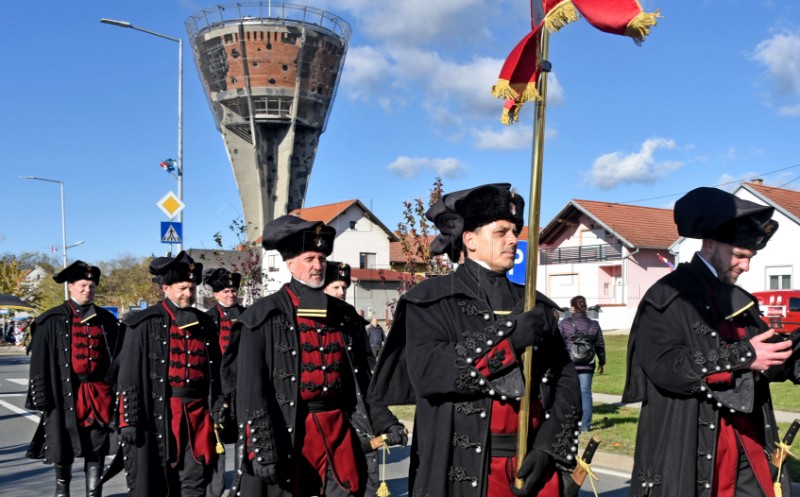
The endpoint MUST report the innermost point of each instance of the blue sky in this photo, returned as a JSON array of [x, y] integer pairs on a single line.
[[712, 96]]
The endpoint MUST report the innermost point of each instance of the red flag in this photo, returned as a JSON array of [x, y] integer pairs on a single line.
[[517, 79]]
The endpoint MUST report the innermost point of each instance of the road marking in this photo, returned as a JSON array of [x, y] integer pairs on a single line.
[[12, 395], [23, 381], [611, 473], [22, 412]]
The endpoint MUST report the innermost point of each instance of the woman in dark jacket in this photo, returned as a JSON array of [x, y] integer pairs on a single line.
[[579, 325]]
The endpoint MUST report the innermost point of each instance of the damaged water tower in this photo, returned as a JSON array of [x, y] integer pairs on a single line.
[[270, 72]]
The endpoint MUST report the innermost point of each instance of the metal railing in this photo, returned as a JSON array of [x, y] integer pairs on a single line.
[[586, 253], [259, 11]]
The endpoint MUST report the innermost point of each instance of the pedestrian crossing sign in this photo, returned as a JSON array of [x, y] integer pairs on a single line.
[[171, 232]]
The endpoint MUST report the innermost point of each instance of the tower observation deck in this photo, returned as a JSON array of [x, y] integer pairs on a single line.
[[270, 72]]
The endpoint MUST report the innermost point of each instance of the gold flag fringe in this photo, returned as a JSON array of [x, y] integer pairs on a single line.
[[639, 27], [561, 15], [521, 92], [510, 116]]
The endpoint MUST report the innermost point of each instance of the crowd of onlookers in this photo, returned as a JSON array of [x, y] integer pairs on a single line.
[[16, 332]]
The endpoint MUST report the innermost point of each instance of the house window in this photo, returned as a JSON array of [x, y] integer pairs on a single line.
[[367, 260], [606, 289], [352, 225], [779, 277], [272, 263]]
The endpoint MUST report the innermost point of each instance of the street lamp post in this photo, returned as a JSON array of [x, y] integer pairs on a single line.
[[179, 41], [63, 223]]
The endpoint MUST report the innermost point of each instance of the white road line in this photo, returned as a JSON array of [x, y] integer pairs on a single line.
[[22, 412], [18, 381], [12, 395], [611, 473]]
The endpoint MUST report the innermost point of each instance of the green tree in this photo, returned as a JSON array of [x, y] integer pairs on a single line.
[[125, 282], [11, 275]]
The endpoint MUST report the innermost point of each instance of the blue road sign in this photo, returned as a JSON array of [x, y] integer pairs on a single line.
[[171, 232], [517, 273]]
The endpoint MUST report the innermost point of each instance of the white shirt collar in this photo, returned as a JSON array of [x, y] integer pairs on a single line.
[[710, 267]]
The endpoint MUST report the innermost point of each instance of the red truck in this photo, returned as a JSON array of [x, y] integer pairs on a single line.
[[780, 309]]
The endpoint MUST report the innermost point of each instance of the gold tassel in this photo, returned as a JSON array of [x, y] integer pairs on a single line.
[[383, 490], [561, 15], [639, 27], [778, 491], [220, 447], [503, 90]]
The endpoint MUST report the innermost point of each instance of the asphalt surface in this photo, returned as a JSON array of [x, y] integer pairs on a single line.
[[23, 477]]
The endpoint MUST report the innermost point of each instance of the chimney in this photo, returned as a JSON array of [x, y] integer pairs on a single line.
[[757, 181]]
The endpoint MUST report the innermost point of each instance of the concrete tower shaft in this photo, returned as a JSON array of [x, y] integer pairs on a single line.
[[270, 73]]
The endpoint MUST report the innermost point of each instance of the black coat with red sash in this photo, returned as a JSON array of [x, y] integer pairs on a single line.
[[146, 398], [270, 390], [688, 365], [427, 360], [65, 395]]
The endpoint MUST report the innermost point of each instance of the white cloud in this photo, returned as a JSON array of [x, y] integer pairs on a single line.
[[514, 137], [613, 169], [781, 55], [789, 110], [407, 167]]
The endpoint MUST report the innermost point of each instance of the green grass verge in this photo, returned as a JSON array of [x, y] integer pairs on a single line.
[[784, 395]]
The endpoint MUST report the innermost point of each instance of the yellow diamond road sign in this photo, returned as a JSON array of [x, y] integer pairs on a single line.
[[170, 205]]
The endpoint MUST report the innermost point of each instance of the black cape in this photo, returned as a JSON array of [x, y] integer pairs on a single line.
[[420, 364], [673, 346], [144, 362], [50, 388], [269, 353]]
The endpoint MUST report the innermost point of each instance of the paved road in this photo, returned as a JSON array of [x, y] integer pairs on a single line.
[[23, 477]]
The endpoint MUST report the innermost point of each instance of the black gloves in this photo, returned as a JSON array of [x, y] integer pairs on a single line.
[[129, 435], [397, 435], [528, 328], [268, 473], [536, 468]]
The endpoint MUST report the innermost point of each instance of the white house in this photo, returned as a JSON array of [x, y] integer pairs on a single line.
[[776, 266]]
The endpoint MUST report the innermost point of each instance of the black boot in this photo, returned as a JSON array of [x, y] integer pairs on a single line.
[[94, 470], [63, 477]]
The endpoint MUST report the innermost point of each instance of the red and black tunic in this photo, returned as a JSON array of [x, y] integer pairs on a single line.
[[189, 384], [90, 359], [326, 387]]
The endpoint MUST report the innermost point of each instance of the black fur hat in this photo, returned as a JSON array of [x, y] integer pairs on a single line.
[[467, 210], [292, 235], [718, 215], [337, 271], [220, 278], [169, 270], [78, 270]]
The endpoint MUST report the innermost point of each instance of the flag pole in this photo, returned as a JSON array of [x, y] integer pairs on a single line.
[[535, 196]]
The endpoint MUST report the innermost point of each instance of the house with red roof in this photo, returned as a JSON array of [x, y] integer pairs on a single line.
[[363, 242], [777, 265], [610, 253]]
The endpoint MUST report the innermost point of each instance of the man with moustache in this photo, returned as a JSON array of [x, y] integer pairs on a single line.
[[71, 380], [454, 351], [168, 384], [700, 360], [306, 365]]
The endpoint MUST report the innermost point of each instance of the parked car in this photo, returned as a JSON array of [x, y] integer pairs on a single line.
[[780, 309]]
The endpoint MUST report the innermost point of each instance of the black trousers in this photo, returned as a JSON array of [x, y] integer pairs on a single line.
[[189, 478]]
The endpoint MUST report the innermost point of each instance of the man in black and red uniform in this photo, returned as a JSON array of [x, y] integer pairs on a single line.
[[700, 360], [305, 359], [454, 351], [71, 380], [168, 383], [225, 312]]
